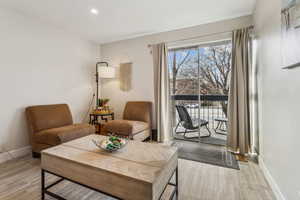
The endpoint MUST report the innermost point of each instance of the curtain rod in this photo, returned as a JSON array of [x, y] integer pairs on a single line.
[[223, 41], [205, 35]]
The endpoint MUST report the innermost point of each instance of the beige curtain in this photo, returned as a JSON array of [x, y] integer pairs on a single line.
[[238, 139], [162, 92]]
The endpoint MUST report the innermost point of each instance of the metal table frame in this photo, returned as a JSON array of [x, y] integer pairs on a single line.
[[45, 189], [94, 119], [221, 122]]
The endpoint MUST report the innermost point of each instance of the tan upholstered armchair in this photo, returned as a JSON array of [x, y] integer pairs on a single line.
[[50, 125], [136, 123]]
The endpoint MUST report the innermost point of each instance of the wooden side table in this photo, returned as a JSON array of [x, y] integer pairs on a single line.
[[94, 119]]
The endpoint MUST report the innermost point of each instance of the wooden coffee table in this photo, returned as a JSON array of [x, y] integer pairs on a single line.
[[137, 171]]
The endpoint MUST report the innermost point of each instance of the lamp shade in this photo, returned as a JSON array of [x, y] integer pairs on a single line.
[[106, 72]]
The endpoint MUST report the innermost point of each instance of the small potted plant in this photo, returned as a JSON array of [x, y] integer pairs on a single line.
[[102, 104]]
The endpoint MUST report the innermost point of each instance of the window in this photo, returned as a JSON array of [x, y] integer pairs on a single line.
[[202, 70]]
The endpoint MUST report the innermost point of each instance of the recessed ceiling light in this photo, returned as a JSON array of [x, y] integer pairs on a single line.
[[94, 11]]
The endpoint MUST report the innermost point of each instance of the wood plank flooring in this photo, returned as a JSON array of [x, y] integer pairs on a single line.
[[20, 180]]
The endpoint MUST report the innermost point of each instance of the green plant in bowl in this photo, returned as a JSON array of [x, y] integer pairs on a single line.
[[102, 102], [111, 144]]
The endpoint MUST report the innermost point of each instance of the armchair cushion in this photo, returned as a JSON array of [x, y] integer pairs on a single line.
[[55, 136], [48, 116], [126, 127]]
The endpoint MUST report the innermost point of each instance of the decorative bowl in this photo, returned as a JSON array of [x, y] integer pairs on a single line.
[[111, 143]]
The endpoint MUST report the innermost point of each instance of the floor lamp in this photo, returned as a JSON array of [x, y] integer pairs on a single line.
[[103, 70]]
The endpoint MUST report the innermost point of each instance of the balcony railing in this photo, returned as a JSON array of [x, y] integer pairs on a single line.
[[211, 107]]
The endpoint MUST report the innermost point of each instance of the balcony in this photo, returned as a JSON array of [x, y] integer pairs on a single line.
[[212, 107]]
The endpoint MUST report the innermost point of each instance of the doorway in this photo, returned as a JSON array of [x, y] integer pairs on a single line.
[[199, 85]]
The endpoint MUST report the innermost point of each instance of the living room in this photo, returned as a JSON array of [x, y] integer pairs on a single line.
[[149, 99]]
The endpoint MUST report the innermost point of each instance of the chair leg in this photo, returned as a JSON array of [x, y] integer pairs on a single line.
[[204, 136], [208, 130], [184, 134], [36, 155], [217, 127], [177, 126]]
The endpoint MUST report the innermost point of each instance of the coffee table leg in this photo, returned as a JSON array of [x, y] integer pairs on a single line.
[[176, 183], [43, 184]]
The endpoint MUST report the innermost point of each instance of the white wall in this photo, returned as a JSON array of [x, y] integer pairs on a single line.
[[40, 64], [279, 104], [137, 51]]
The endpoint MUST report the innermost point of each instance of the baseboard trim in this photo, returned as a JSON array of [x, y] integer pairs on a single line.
[[16, 153], [274, 186]]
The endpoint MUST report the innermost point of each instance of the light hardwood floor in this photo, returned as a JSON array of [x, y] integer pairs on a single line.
[[20, 180]]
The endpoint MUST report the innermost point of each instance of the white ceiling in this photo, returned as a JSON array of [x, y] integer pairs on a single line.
[[123, 19]]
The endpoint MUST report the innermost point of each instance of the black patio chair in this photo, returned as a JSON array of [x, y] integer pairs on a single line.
[[190, 125]]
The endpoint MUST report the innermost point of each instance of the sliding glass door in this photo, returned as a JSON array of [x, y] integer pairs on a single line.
[[184, 85], [199, 80]]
